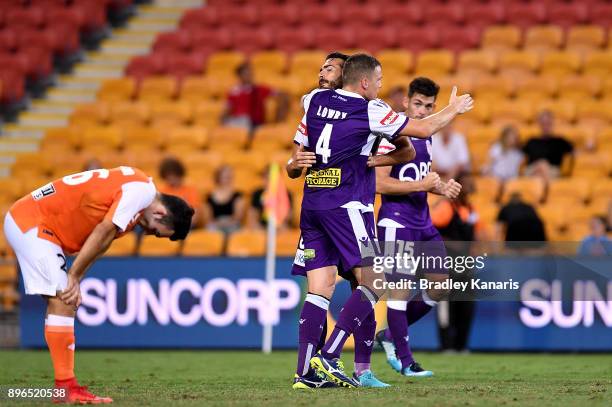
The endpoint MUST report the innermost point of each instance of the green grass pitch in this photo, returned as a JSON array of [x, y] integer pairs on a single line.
[[224, 378]]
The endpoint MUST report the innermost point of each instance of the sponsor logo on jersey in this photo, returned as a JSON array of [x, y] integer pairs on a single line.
[[325, 178], [43, 191], [302, 129], [390, 118], [309, 254]]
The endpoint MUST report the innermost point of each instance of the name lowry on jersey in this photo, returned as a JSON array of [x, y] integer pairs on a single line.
[[332, 114]]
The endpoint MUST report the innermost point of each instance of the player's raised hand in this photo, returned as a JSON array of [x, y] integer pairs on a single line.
[[72, 294], [431, 182], [463, 103], [451, 189], [304, 159]]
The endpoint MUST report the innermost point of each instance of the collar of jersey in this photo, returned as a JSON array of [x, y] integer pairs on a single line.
[[349, 94]]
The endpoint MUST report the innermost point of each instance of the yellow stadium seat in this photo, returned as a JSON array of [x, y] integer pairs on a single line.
[[437, 62], [171, 114], [152, 246], [245, 243], [537, 87], [573, 190], [208, 114], [581, 136], [592, 164], [197, 89], [477, 62], [137, 113], [578, 231], [600, 204], [8, 271], [246, 180], [554, 214], [234, 137], [530, 188], [210, 160], [598, 63], [124, 246], [273, 137], [157, 89], [512, 112], [90, 114], [194, 138], [544, 38], [561, 63], [224, 61], [519, 61], [585, 37], [274, 62], [577, 87], [253, 161], [116, 90], [594, 113], [307, 63], [287, 242], [11, 189], [31, 164], [141, 136], [203, 243], [489, 187], [395, 62], [58, 138], [493, 87], [501, 38], [478, 154], [100, 137]]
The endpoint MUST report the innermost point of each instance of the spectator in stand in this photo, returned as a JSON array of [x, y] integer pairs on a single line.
[[396, 98], [450, 152], [597, 243], [546, 153], [505, 156], [225, 207], [246, 102], [518, 221], [256, 214], [172, 172]]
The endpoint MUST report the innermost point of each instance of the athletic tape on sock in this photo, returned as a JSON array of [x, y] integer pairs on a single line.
[[318, 300], [59, 320], [397, 305]]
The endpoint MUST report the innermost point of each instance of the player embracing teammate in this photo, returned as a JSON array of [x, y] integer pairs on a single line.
[[342, 126]]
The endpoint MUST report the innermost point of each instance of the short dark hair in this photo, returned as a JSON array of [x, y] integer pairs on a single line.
[[337, 55], [357, 66], [178, 217], [423, 86], [171, 166]]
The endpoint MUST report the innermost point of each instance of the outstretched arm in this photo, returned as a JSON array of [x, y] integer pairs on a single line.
[[387, 185], [432, 124]]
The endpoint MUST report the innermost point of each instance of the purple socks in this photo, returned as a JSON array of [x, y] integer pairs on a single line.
[[355, 312], [312, 320], [364, 341]]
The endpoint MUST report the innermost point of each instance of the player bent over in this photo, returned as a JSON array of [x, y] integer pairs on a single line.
[[82, 213]]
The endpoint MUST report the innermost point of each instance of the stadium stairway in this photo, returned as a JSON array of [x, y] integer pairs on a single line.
[[81, 85]]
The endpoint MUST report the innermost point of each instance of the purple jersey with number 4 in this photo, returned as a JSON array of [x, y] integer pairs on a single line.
[[411, 210], [340, 127]]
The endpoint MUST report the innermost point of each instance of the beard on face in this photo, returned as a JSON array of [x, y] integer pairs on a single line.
[[325, 84]]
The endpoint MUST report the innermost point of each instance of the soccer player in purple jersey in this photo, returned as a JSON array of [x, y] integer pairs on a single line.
[[404, 215], [330, 77], [340, 126]]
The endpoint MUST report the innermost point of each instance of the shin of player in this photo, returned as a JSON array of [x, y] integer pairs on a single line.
[[82, 213]]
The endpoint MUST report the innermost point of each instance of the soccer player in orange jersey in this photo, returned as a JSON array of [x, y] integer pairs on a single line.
[[82, 213]]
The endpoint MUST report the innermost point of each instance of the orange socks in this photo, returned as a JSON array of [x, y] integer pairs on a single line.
[[59, 334]]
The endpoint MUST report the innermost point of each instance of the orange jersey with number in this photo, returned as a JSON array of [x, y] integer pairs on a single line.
[[68, 209]]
